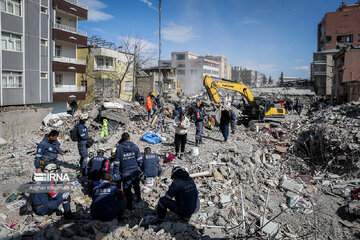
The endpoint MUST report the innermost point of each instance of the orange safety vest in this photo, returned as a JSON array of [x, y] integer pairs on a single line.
[[149, 104]]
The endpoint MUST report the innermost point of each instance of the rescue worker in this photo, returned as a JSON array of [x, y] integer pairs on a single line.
[[232, 120], [199, 123], [224, 123], [114, 164], [47, 151], [47, 203], [96, 166], [83, 138], [108, 201], [149, 164], [181, 124], [184, 190], [149, 105], [128, 155], [74, 107]]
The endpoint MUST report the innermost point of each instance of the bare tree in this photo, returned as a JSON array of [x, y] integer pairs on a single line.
[[139, 53]]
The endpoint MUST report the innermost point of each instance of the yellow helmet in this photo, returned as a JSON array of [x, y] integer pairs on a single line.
[[153, 94]]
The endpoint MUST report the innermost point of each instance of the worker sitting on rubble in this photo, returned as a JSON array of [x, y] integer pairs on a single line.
[[47, 203], [96, 166], [149, 164], [108, 201], [184, 190], [199, 122], [232, 120], [128, 155], [47, 151], [181, 124], [83, 139], [149, 105]]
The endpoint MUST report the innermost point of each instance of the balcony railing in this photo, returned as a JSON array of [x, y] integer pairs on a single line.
[[319, 61], [104, 68], [69, 29], [319, 72], [69, 60], [77, 3], [69, 88]]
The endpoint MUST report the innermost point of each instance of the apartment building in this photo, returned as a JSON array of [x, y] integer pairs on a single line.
[[106, 69], [249, 77], [67, 37], [336, 30], [225, 66], [191, 69], [25, 52]]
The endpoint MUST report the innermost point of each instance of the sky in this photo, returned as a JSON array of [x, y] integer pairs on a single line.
[[271, 36]]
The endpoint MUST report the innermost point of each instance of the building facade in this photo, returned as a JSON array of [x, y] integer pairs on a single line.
[[67, 37], [225, 66], [109, 74], [322, 71], [191, 69], [148, 81], [346, 84], [38, 51], [249, 77]]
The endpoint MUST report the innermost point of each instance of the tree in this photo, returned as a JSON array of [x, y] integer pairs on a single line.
[[271, 82], [281, 79], [264, 80]]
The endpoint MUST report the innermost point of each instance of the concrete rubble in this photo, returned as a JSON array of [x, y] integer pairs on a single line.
[[284, 181]]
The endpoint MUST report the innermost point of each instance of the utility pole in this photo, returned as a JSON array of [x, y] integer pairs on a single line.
[[135, 71], [160, 83]]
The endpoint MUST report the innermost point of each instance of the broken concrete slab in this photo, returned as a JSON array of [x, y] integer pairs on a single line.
[[115, 116]]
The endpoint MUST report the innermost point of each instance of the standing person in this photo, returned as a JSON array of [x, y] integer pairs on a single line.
[[149, 164], [128, 155], [232, 120], [137, 97], [224, 123], [199, 122], [108, 201], [184, 190], [83, 139], [181, 124], [74, 107], [47, 151], [149, 105], [96, 166]]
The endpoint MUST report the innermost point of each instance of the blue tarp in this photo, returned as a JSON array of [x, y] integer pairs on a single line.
[[151, 138]]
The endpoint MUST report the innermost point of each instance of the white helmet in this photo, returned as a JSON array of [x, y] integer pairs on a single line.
[[113, 151], [84, 116], [50, 168]]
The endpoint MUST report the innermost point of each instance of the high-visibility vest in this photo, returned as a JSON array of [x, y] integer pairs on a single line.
[[149, 104]]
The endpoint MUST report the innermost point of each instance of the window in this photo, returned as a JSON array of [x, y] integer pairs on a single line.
[[358, 37], [43, 75], [180, 56], [11, 79], [58, 79], [57, 51], [11, 6], [128, 86], [181, 71], [100, 61], [58, 20], [11, 42], [344, 38], [43, 42], [44, 10], [328, 39], [181, 65]]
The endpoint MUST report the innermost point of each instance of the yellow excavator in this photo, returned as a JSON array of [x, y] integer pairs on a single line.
[[255, 109]]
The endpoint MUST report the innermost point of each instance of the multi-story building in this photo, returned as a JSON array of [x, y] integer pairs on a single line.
[[335, 31], [67, 37], [38, 52], [191, 69], [106, 69], [148, 81], [25, 52], [225, 66], [346, 83], [251, 78]]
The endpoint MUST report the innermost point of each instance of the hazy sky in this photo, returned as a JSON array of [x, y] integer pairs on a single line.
[[265, 35]]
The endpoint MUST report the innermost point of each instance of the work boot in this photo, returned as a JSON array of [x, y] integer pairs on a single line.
[[181, 155], [196, 142]]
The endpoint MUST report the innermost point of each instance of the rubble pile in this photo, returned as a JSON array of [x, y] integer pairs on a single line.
[[258, 185]]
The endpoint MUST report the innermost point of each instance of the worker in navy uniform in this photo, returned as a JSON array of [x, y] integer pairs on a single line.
[[96, 166], [199, 118], [83, 139], [149, 164]]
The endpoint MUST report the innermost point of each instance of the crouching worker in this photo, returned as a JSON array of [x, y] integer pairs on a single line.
[[47, 203], [184, 190], [96, 166], [149, 164], [108, 201]]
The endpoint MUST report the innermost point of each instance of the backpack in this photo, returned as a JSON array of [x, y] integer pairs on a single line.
[[74, 134], [90, 142]]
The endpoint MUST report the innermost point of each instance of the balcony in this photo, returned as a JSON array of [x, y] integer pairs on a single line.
[[319, 61], [68, 93], [73, 7], [104, 68], [69, 29], [319, 72], [64, 64], [69, 60]]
